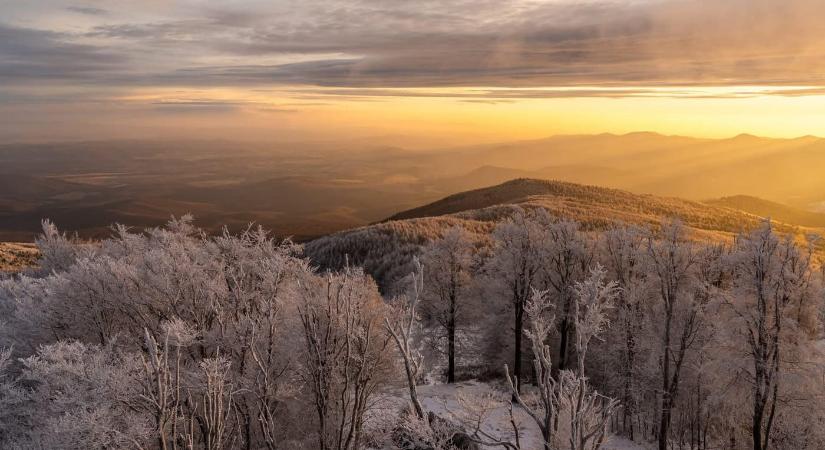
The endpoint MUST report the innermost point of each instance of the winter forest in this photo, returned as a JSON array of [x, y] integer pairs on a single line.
[[412, 225], [539, 335]]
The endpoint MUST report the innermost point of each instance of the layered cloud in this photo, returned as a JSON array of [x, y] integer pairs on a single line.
[[380, 43], [96, 54]]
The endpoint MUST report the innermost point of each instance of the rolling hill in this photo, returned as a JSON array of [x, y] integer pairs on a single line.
[[386, 248], [775, 211], [310, 189], [593, 206]]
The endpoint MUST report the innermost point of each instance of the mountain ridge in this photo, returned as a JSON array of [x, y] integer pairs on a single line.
[[386, 248]]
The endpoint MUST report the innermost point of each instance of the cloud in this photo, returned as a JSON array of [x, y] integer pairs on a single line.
[[618, 44], [87, 10], [27, 54], [195, 106]]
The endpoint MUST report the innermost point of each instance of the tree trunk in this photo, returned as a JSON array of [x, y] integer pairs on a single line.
[[757, 426], [630, 358], [451, 325], [547, 433], [664, 425], [564, 334], [519, 331], [667, 400]]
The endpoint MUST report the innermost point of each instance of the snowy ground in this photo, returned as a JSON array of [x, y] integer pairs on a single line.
[[443, 400]]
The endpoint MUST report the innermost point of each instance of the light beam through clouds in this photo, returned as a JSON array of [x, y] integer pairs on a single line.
[[674, 66]]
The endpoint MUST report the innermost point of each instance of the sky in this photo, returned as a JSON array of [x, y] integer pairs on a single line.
[[450, 71]]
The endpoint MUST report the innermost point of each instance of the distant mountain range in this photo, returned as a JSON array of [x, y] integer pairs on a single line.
[[385, 248], [306, 190]]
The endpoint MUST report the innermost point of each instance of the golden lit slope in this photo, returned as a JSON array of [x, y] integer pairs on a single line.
[[385, 249], [593, 206], [775, 211], [15, 256]]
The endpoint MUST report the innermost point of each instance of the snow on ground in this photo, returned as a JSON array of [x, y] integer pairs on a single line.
[[442, 399], [621, 443]]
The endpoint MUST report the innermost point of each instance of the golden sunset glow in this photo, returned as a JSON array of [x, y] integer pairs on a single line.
[[479, 114], [433, 71]]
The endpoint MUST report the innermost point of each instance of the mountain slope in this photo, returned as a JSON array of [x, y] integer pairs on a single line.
[[386, 248], [513, 191], [591, 205], [767, 208]]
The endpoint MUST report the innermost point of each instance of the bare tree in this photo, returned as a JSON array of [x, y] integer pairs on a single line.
[[162, 388], [541, 325], [569, 392], [624, 253], [676, 314], [474, 413], [772, 277], [258, 281], [401, 324], [567, 260], [517, 261], [448, 261], [593, 297], [589, 411], [346, 355]]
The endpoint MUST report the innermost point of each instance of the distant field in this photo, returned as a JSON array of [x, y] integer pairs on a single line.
[[16, 256]]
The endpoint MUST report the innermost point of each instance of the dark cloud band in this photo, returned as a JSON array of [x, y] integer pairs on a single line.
[[393, 44]]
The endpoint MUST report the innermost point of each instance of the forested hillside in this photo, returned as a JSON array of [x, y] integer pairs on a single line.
[[776, 211], [385, 249], [531, 331]]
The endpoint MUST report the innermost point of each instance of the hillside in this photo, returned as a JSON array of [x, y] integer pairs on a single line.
[[593, 206], [776, 211], [15, 256], [386, 248]]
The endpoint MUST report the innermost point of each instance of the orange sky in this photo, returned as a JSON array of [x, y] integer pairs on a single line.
[[453, 71]]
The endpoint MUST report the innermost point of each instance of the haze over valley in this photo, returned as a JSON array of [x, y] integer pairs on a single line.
[[307, 189]]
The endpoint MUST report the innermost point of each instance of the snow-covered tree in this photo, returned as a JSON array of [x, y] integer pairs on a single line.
[[772, 279], [57, 251], [83, 396], [172, 339], [569, 393], [516, 262], [676, 316], [401, 323], [546, 408], [593, 298], [347, 354], [567, 257], [623, 253], [13, 398], [445, 302]]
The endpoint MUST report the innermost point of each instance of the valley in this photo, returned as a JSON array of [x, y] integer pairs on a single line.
[[310, 189]]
